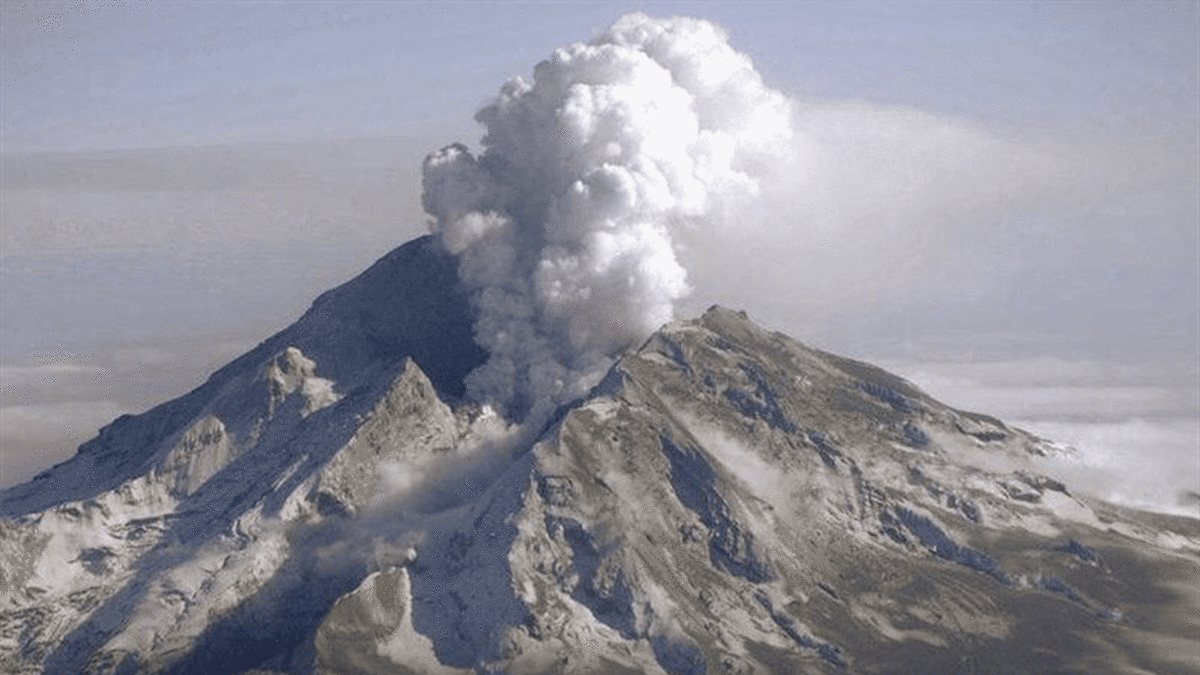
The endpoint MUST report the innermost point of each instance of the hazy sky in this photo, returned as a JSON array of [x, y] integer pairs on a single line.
[[1002, 204]]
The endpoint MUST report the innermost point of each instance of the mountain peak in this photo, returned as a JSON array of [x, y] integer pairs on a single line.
[[407, 305]]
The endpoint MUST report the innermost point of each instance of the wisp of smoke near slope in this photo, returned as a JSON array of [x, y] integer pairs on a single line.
[[564, 224]]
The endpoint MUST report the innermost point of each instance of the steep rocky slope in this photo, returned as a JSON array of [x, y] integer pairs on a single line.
[[725, 501]]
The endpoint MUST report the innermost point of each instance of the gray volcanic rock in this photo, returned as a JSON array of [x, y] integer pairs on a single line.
[[408, 304], [140, 516], [725, 501]]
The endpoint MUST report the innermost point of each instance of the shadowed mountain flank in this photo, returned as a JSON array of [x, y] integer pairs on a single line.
[[409, 304]]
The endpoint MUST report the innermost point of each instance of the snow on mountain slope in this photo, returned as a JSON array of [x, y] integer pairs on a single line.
[[407, 304], [725, 501], [730, 501], [190, 484]]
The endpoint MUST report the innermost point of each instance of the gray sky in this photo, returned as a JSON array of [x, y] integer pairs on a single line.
[[1002, 202]]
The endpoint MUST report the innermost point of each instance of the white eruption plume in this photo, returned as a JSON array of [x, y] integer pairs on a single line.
[[563, 225]]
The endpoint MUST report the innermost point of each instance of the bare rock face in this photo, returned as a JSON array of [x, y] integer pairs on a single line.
[[370, 630], [408, 425], [205, 449], [725, 501]]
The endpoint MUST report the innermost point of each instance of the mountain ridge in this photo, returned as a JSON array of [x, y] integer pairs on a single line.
[[371, 330], [725, 500]]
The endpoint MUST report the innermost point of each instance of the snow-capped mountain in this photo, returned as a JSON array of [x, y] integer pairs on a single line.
[[726, 500]]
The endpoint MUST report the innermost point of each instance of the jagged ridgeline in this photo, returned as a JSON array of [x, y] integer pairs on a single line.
[[726, 500]]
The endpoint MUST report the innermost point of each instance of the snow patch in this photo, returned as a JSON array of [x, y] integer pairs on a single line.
[[180, 601], [768, 481], [205, 448]]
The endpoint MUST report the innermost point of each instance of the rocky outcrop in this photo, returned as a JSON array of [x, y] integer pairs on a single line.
[[204, 449], [408, 429]]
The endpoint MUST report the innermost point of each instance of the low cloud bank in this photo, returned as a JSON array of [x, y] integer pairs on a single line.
[[1136, 431], [1146, 464]]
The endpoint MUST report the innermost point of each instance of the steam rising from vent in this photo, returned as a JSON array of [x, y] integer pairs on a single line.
[[563, 225]]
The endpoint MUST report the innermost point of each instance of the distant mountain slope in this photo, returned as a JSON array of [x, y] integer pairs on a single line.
[[408, 304]]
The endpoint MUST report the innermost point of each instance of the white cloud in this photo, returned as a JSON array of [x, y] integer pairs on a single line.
[[909, 211], [1147, 464], [1052, 388], [565, 224], [1137, 432], [17, 376]]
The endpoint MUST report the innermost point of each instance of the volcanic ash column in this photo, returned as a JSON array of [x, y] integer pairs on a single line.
[[563, 225]]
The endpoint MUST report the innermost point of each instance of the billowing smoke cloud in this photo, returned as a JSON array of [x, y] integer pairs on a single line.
[[564, 224]]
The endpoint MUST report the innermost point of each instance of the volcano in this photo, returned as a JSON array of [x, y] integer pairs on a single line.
[[726, 500]]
